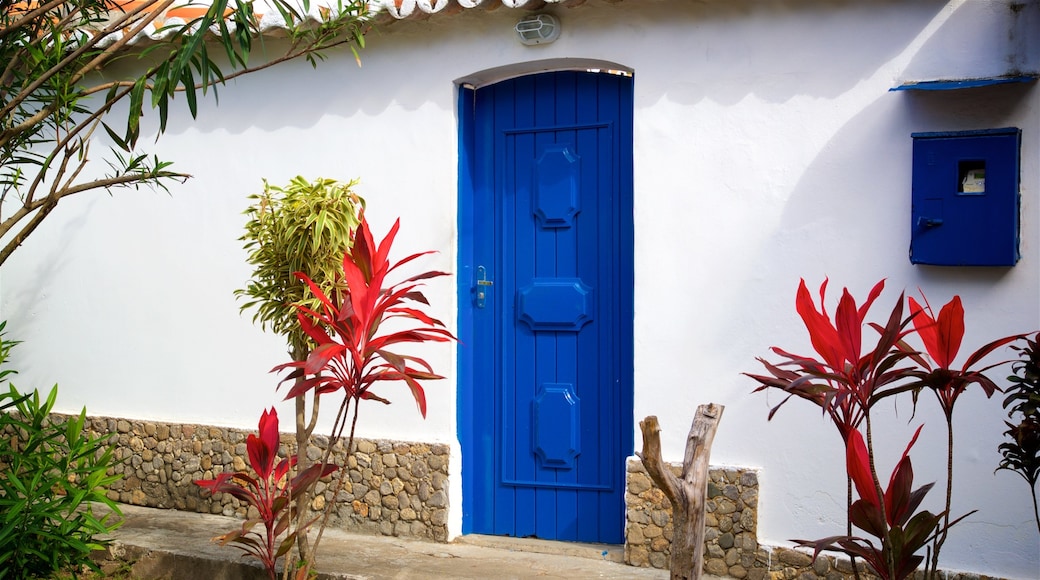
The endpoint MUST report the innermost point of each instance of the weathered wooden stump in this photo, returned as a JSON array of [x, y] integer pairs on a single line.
[[687, 494]]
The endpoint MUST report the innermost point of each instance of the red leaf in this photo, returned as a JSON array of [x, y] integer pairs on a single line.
[[848, 545], [890, 335], [370, 396], [898, 495], [315, 289], [913, 440], [849, 328], [305, 385], [822, 333], [419, 361], [951, 329], [289, 365], [858, 465], [415, 297], [398, 362], [384, 247], [356, 279], [283, 468], [263, 449], [416, 314], [988, 348], [409, 259], [874, 293], [418, 394], [942, 337], [224, 483], [316, 332], [360, 254], [321, 355], [313, 473], [424, 275], [867, 517]]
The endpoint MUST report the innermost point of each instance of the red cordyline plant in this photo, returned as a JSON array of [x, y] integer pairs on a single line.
[[846, 379], [941, 336], [355, 350], [890, 517], [846, 383], [271, 492]]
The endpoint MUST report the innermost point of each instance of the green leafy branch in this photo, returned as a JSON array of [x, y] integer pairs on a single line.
[[1021, 453]]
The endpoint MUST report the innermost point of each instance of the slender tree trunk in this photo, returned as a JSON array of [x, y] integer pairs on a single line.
[[337, 432], [848, 523], [303, 462], [687, 494], [1036, 507], [932, 570]]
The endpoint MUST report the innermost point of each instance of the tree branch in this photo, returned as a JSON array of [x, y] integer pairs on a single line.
[[651, 457], [121, 180], [47, 110], [28, 229], [30, 17], [89, 67]]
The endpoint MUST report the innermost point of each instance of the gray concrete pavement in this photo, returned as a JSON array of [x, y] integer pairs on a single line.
[[174, 545]]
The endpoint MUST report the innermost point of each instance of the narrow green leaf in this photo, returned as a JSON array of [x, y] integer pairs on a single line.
[[188, 80], [133, 127]]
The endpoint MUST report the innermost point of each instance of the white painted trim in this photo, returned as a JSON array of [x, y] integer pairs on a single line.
[[501, 73]]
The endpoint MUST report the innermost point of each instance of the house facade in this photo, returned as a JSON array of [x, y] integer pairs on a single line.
[[626, 209]]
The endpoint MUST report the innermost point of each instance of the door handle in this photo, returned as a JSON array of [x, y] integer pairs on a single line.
[[483, 286]]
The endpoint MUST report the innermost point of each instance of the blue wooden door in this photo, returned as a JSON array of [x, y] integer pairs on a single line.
[[551, 307]]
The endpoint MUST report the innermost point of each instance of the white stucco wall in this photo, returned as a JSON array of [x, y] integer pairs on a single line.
[[767, 148]]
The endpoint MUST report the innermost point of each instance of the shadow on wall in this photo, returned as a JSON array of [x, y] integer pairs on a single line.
[[848, 214], [851, 207], [793, 173], [780, 50], [44, 271], [848, 217], [727, 51]]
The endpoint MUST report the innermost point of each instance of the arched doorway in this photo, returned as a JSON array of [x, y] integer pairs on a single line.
[[545, 309]]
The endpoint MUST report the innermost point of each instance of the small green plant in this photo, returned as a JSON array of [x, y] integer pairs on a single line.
[[305, 226], [1022, 452], [123, 570], [52, 470]]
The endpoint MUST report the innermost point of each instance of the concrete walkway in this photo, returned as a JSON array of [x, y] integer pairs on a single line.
[[175, 545]]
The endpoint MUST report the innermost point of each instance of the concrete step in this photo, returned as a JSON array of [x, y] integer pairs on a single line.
[[173, 545], [608, 552]]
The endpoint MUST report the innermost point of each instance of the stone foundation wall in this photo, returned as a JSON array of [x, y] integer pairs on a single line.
[[731, 534], [392, 487], [401, 489]]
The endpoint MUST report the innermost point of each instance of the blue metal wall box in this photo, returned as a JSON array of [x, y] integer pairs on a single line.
[[965, 198]]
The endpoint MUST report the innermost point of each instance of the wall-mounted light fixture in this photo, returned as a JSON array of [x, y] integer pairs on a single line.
[[538, 29]]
